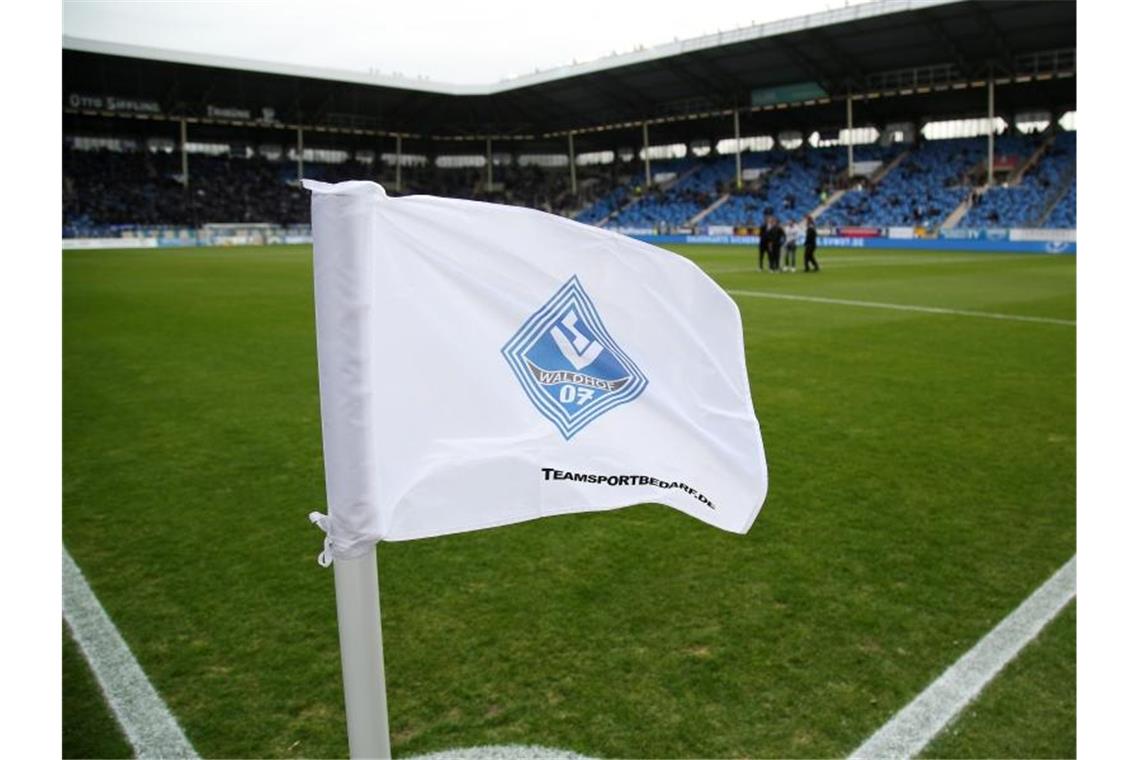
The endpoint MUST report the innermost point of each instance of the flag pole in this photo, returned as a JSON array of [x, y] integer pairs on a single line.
[[362, 656]]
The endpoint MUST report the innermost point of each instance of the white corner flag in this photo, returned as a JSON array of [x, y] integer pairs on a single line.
[[482, 365]]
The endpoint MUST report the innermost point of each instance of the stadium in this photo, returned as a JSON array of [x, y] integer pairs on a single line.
[[934, 146]]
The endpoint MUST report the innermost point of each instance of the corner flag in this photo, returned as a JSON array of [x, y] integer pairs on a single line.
[[482, 365]]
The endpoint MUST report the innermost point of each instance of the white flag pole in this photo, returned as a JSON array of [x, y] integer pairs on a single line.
[[342, 272], [362, 656]]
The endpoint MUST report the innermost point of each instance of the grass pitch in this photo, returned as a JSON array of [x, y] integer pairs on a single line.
[[922, 484]]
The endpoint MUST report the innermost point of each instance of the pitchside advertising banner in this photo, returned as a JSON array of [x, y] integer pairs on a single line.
[[974, 234], [911, 238], [860, 232], [210, 236], [1050, 241]]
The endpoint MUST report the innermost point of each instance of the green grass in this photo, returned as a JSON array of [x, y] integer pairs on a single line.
[[1003, 723], [922, 483], [89, 730]]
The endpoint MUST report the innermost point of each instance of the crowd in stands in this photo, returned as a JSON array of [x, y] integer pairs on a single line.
[[938, 176], [792, 184], [103, 189], [788, 184], [1024, 203], [674, 203], [749, 204], [606, 203], [922, 190], [106, 189], [1064, 214], [532, 186]]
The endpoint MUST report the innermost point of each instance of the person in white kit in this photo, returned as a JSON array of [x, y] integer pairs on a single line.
[[795, 238]]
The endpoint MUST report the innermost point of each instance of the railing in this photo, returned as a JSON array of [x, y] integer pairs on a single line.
[[921, 76], [1062, 188], [1046, 62]]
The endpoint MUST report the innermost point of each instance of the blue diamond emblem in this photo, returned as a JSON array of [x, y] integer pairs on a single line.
[[569, 365]]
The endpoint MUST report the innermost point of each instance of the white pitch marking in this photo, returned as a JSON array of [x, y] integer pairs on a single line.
[[851, 261], [140, 711], [845, 262], [903, 307], [912, 728], [503, 752], [920, 261]]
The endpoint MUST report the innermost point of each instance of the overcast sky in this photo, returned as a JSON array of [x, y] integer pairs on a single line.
[[444, 40]]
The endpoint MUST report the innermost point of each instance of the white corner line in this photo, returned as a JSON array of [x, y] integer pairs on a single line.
[[503, 752], [902, 307], [150, 728], [913, 727]]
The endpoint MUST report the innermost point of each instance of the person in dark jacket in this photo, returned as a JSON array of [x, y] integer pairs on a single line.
[[776, 238], [810, 264], [763, 242]]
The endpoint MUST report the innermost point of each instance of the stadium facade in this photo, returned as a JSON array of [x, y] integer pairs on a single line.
[[835, 114]]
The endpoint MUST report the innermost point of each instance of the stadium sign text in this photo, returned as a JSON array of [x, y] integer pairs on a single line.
[[860, 232], [112, 103], [843, 242], [236, 113], [223, 112], [956, 233]]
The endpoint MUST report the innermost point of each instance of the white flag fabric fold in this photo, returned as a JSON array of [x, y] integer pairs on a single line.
[[482, 365]]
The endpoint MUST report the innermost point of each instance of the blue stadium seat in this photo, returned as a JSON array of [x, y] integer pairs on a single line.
[[1022, 205], [922, 190]]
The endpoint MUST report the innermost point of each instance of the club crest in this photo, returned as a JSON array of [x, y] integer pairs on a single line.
[[568, 364]]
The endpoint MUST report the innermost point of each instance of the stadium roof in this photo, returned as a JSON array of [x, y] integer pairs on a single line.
[[754, 32], [912, 60]]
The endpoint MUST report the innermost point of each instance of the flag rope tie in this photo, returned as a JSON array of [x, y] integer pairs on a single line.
[[321, 520]]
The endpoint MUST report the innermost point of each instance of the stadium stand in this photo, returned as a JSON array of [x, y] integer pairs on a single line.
[[607, 204], [102, 188], [672, 204], [1064, 214], [106, 190], [1023, 204], [131, 115], [930, 183], [792, 184]]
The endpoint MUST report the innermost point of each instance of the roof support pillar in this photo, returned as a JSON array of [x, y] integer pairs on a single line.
[[300, 154], [185, 158], [490, 167], [573, 168], [990, 132], [850, 139], [736, 134], [645, 146], [399, 162]]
